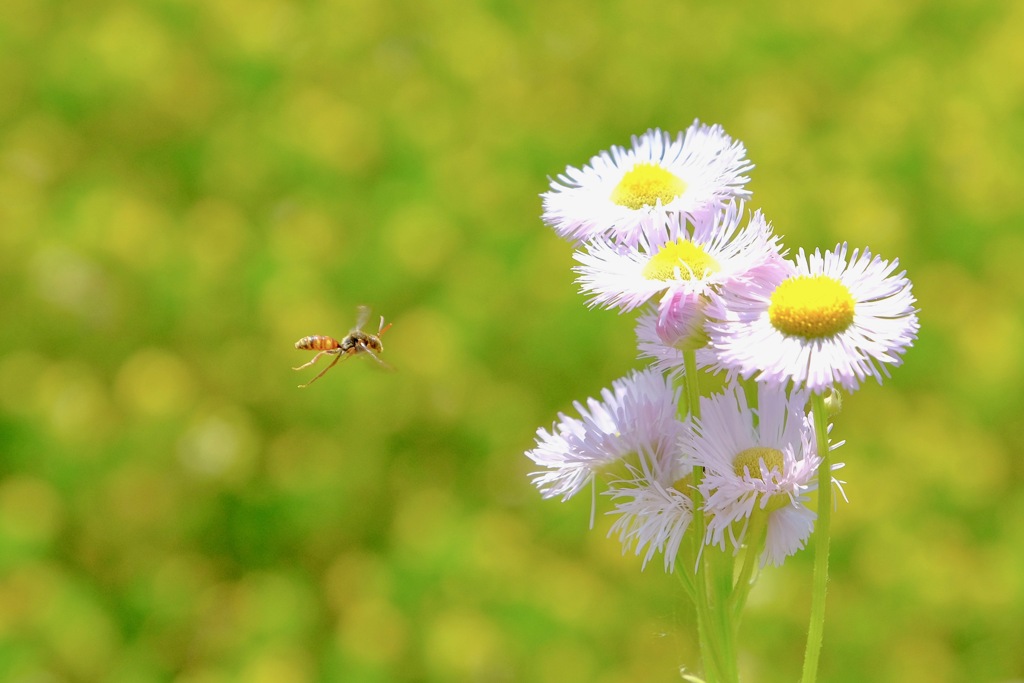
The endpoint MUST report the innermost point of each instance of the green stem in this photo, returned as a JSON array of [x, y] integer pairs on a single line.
[[685, 577], [720, 584], [820, 579], [755, 544], [691, 384], [713, 624], [700, 595]]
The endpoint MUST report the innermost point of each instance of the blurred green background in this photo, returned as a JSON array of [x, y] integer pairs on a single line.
[[188, 187]]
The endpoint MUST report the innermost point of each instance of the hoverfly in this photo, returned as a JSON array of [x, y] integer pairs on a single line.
[[353, 344]]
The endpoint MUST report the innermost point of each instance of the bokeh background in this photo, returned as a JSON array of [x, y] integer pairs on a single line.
[[188, 187]]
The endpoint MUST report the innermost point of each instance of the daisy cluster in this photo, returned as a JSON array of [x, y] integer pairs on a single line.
[[661, 228]]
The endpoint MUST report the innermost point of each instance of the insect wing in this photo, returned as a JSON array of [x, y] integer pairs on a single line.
[[373, 354], [362, 316]]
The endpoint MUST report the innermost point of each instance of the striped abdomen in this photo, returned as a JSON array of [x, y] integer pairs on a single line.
[[317, 342]]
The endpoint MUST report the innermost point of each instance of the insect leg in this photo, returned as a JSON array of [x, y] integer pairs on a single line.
[[316, 358], [324, 371]]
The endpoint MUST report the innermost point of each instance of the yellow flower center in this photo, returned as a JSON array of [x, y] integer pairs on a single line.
[[644, 184], [685, 486], [680, 260], [811, 307], [750, 459]]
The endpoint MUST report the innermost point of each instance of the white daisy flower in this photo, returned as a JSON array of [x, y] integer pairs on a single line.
[[640, 411], [654, 508], [756, 461], [679, 260], [831, 320], [699, 170]]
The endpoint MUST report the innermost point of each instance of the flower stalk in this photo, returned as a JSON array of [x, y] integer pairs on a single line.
[[819, 581]]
